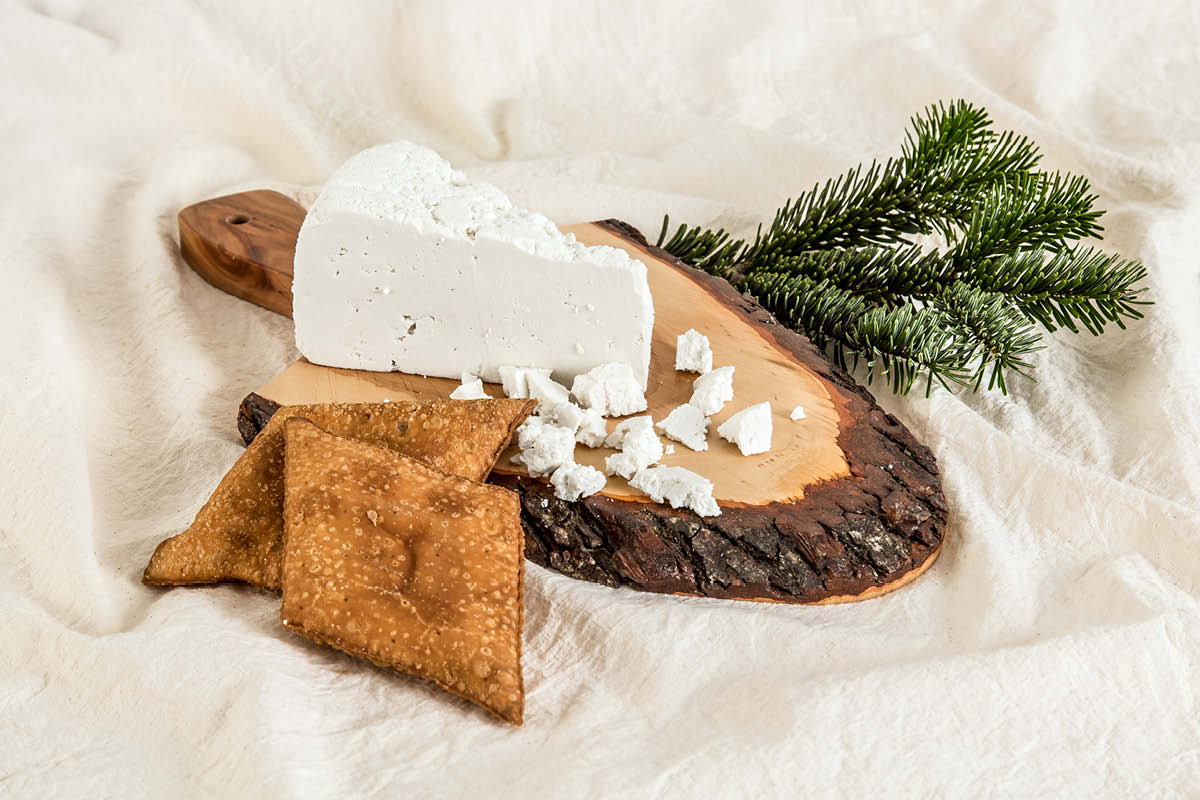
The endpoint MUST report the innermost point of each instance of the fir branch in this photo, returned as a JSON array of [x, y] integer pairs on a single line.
[[1026, 211], [1074, 285], [1001, 336], [901, 343], [880, 275], [837, 262]]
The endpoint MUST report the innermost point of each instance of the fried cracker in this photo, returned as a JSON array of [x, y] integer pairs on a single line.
[[413, 569], [238, 534]]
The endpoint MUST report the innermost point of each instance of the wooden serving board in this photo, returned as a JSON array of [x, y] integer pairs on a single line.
[[846, 505]]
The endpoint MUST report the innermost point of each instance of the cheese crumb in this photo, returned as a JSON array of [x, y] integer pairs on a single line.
[[686, 425], [592, 430], [611, 389], [798, 412], [669, 450], [692, 352], [711, 391], [471, 389], [680, 487], [573, 481], [749, 429], [544, 447], [515, 380], [639, 445], [547, 392], [588, 425]]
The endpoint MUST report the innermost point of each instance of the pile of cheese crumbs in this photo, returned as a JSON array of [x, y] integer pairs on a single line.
[[568, 417]]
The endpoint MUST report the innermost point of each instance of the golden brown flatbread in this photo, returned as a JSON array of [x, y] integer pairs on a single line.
[[238, 534], [403, 565]]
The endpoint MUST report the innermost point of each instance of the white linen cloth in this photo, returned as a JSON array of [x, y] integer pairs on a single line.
[[1053, 650]]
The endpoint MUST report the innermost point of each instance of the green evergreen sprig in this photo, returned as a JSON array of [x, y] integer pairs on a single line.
[[841, 264]]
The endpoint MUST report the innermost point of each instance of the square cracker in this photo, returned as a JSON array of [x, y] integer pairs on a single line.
[[238, 534], [413, 569]]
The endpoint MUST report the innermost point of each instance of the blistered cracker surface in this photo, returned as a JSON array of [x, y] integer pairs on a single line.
[[410, 568], [238, 534]]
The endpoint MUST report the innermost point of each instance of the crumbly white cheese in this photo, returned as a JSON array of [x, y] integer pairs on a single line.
[[567, 414], [404, 264], [592, 430], [528, 430], [546, 391], [692, 352], [711, 391], [687, 425], [611, 389], [588, 425], [639, 445], [749, 429], [798, 412], [629, 427], [669, 450], [680, 487], [470, 389], [515, 380], [544, 448], [573, 481]]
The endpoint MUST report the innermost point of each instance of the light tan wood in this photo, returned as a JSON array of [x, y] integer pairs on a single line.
[[802, 452]]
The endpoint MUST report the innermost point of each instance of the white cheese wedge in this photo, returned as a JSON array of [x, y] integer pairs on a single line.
[[573, 481], [798, 413], [711, 391], [612, 389], [545, 448], [470, 389], [680, 487], [749, 429], [404, 264], [640, 447], [693, 352], [687, 425]]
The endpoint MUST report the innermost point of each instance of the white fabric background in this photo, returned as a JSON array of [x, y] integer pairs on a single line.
[[1054, 650]]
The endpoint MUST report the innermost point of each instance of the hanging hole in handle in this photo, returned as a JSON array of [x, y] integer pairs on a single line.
[[237, 219]]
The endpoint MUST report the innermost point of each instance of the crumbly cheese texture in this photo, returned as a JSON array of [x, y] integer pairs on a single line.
[[693, 352], [687, 425], [404, 264], [611, 389], [588, 425], [798, 413], [545, 390], [711, 391], [680, 487], [639, 446], [573, 481], [749, 429], [544, 447], [470, 389], [515, 380]]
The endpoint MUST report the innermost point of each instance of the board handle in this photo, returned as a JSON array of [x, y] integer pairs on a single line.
[[244, 244]]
